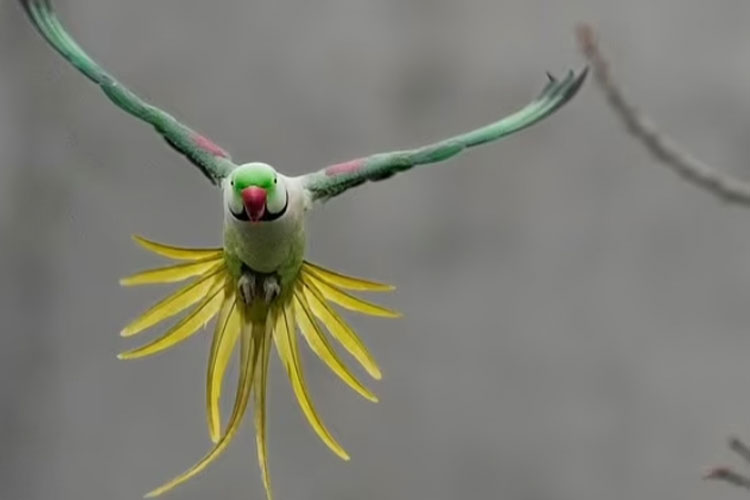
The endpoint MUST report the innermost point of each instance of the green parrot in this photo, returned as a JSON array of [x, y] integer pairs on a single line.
[[258, 283]]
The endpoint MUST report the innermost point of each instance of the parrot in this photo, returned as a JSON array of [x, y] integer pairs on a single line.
[[258, 284]]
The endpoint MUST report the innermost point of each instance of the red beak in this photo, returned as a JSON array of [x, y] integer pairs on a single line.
[[254, 199]]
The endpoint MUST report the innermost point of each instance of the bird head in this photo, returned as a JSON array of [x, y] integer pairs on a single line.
[[255, 192]]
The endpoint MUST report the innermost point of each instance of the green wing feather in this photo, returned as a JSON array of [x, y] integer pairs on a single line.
[[211, 159], [336, 179]]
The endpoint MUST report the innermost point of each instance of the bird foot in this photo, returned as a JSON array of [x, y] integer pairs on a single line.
[[249, 289], [271, 288], [246, 285]]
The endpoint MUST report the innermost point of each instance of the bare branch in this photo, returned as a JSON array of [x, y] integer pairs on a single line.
[[740, 448], [666, 151], [727, 474]]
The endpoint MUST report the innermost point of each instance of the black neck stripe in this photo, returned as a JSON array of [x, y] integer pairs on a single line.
[[267, 216]]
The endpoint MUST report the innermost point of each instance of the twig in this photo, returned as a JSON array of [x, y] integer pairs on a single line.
[[740, 448], [669, 153], [727, 474]]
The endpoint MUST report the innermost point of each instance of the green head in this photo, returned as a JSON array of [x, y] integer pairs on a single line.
[[257, 193]]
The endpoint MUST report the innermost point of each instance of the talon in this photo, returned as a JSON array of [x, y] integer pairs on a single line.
[[246, 285], [271, 288]]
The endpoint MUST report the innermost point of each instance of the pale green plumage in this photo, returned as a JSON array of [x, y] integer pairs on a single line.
[[336, 179], [216, 164], [213, 161], [272, 244]]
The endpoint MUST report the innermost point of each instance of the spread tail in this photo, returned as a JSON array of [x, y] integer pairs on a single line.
[[304, 305]]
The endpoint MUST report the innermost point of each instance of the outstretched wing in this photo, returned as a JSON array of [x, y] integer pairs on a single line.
[[336, 179], [213, 161]]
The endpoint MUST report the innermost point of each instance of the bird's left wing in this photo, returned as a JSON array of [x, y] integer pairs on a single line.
[[211, 159], [336, 179]]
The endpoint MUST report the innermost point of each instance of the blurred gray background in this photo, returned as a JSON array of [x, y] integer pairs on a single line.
[[577, 325]]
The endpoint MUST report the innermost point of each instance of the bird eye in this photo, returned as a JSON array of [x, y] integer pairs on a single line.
[[275, 180]]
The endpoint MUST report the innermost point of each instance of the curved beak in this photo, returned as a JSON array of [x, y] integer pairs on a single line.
[[254, 199]]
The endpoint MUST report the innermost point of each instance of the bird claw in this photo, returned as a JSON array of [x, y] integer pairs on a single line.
[[271, 288], [246, 285]]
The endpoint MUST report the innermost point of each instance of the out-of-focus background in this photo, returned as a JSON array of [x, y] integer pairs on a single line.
[[577, 324]]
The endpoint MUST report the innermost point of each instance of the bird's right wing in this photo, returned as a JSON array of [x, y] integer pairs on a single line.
[[211, 159], [335, 179]]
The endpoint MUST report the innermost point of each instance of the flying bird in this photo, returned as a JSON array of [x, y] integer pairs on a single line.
[[259, 285]]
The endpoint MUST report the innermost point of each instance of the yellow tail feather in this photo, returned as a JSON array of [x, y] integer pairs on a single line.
[[201, 315], [320, 345], [178, 253], [343, 281], [341, 331], [261, 383], [303, 305], [174, 304], [349, 301], [248, 360], [226, 334], [171, 274], [288, 350]]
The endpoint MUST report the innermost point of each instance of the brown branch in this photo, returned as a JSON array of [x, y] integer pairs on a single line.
[[727, 474], [740, 448], [666, 151]]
